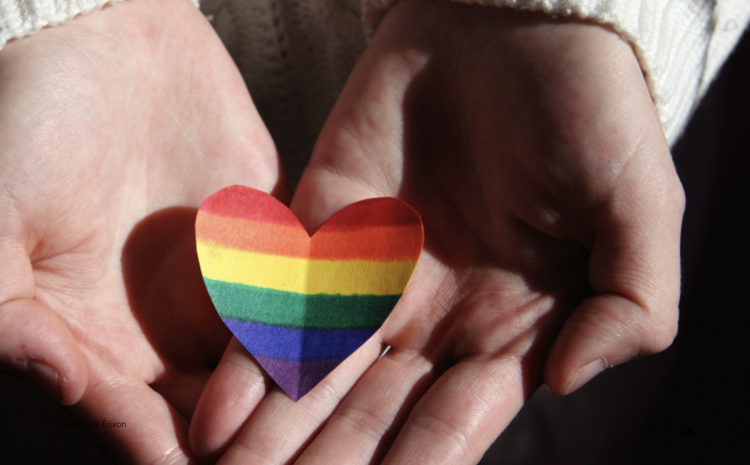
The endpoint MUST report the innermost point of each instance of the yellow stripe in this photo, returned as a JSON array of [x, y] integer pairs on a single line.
[[301, 275]]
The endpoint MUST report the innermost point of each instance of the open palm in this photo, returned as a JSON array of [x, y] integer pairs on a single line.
[[107, 124], [552, 215]]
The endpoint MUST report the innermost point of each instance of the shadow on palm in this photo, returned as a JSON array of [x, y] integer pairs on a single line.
[[510, 287], [169, 300]]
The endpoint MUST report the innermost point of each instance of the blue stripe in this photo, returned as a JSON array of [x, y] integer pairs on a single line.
[[296, 344]]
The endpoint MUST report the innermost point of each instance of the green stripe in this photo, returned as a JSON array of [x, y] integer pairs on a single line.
[[292, 310]]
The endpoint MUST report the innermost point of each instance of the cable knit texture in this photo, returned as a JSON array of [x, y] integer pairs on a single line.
[[22, 17], [19, 18], [295, 55]]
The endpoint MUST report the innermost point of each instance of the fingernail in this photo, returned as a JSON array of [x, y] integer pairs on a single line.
[[45, 378], [586, 374]]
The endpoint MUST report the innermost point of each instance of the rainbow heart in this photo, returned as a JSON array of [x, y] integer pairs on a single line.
[[301, 304]]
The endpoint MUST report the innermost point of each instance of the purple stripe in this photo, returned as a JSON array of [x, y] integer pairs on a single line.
[[281, 343], [297, 378]]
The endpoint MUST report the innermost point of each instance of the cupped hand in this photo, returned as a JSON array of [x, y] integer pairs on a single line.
[[552, 213], [106, 122]]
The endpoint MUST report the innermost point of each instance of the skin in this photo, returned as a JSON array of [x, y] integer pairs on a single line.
[[113, 128], [530, 146], [552, 214]]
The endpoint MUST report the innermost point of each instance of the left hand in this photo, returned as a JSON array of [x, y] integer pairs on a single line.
[[552, 213], [107, 124]]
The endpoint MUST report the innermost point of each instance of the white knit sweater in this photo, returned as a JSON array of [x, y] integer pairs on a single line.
[[295, 68]]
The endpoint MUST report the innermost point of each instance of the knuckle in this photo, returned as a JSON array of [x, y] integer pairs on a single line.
[[453, 441], [362, 420], [660, 333], [249, 454]]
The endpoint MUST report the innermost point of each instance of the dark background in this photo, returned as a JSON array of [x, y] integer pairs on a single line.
[[687, 405]]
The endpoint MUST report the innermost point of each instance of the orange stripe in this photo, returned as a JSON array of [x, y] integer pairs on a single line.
[[270, 238], [376, 243], [383, 244]]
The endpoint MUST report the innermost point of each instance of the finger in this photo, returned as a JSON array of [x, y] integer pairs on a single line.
[[634, 271], [232, 393], [134, 422], [359, 153], [462, 413], [366, 422], [36, 344], [279, 428]]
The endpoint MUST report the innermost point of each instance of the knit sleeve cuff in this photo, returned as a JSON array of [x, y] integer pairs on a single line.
[[680, 44], [19, 18]]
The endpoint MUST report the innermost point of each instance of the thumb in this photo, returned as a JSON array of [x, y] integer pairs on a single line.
[[634, 271], [340, 171], [35, 343], [359, 153], [322, 192]]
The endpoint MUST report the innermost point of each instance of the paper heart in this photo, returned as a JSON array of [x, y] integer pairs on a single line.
[[301, 304]]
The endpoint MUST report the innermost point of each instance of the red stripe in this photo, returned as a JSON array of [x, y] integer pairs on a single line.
[[250, 204], [381, 229]]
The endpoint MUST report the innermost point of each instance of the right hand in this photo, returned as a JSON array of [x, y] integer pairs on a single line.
[[105, 121], [532, 150]]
